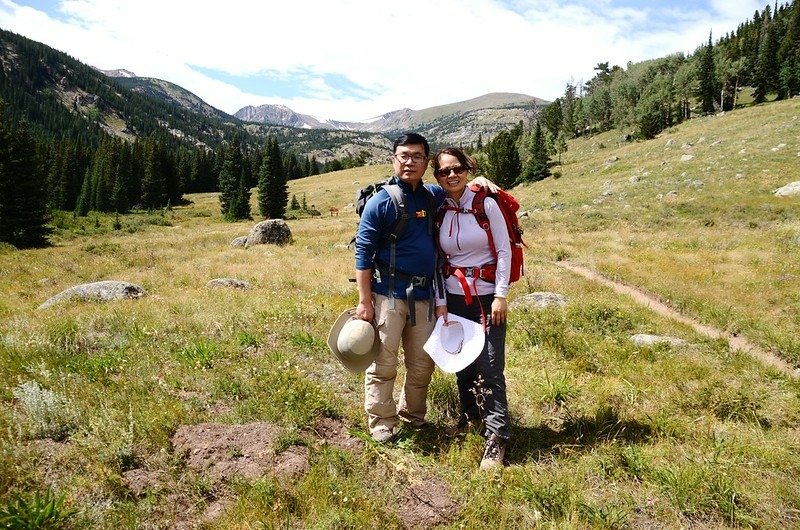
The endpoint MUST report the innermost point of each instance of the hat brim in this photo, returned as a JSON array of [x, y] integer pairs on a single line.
[[352, 362], [471, 348]]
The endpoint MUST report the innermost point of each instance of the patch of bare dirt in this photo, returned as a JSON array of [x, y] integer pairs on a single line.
[[140, 481], [223, 451], [656, 305], [425, 504], [292, 463], [334, 432]]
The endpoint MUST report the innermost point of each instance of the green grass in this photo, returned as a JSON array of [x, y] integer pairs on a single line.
[[606, 434]]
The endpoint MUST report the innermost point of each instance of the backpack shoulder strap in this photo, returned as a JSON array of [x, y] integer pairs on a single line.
[[430, 208], [480, 215], [399, 202]]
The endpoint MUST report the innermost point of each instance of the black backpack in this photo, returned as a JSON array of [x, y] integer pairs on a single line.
[[396, 194], [398, 231]]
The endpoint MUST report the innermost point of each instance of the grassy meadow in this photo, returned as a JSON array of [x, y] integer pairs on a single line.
[[606, 434]]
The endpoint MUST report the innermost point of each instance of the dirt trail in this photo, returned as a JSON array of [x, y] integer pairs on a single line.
[[736, 343]]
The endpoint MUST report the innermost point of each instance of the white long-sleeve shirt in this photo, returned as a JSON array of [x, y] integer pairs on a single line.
[[465, 244]]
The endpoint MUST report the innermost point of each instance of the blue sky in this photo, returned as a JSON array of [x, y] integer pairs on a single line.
[[356, 59]]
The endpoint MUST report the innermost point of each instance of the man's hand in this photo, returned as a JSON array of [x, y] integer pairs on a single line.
[[366, 308], [365, 311]]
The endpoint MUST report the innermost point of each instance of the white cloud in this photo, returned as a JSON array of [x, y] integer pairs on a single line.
[[414, 54]]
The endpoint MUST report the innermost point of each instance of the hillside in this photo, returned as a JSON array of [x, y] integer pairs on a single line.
[[197, 406]]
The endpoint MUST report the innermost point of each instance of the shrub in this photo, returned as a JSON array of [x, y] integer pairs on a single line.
[[48, 414]]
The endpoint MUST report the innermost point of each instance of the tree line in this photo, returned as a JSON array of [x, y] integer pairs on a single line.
[[645, 98], [38, 176]]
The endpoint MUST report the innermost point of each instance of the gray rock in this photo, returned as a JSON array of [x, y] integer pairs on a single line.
[[239, 241], [539, 300], [228, 282], [643, 339], [272, 231], [103, 291], [789, 190], [686, 158]]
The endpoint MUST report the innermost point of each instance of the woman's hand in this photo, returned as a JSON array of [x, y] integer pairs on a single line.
[[441, 311], [499, 311]]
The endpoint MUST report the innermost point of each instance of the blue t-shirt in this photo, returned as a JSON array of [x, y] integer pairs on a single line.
[[415, 251]]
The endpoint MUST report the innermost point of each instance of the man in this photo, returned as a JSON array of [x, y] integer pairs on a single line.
[[398, 302]]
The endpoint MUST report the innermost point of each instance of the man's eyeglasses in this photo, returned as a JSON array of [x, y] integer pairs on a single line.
[[445, 171], [404, 158]]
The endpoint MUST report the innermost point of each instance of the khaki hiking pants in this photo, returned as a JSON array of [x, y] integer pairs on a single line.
[[394, 326]]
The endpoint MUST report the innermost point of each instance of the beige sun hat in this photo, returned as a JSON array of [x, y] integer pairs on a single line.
[[455, 344], [353, 341]]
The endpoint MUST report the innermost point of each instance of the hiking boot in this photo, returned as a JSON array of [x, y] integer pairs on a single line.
[[383, 435], [493, 453]]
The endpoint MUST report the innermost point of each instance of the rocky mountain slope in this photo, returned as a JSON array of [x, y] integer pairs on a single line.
[[458, 123], [167, 92]]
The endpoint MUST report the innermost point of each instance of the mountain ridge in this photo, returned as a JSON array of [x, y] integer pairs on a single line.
[[519, 106]]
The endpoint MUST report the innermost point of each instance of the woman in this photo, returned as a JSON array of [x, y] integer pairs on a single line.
[[467, 258]]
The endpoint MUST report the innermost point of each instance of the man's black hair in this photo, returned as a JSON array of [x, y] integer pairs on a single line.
[[410, 138]]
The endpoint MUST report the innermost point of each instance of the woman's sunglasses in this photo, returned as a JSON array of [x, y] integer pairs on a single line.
[[445, 171]]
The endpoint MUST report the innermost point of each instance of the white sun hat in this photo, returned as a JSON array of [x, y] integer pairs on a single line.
[[455, 344], [353, 341]]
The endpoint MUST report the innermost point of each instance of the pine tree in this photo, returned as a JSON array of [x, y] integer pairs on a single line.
[[504, 166], [789, 56], [229, 177], [23, 197], [707, 91], [568, 105], [240, 208], [273, 191], [538, 164], [154, 186], [553, 118], [292, 167]]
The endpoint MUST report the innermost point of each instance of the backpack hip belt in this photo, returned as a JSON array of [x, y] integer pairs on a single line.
[[382, 271], [486, 273]]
